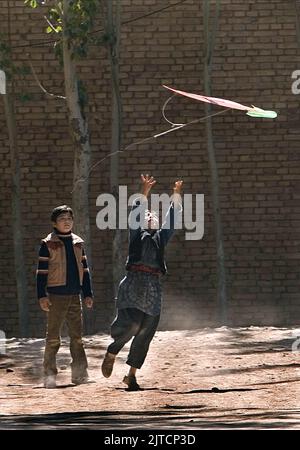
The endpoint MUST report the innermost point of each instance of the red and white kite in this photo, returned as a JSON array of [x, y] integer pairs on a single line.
[[252, 111]]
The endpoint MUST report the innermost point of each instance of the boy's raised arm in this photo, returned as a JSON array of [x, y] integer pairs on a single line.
[[147, 184], [141, 203], [174, 210]]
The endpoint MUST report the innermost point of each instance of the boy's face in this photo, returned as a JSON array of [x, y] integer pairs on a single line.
[[151, 221], [64, 223]]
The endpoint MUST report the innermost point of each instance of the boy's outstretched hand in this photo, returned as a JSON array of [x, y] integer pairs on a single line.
[[147, 183], [177, 186]]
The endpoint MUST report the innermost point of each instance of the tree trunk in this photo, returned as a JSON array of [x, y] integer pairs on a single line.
[[82, 152], [17, 229], [209, 38], [113, 31]]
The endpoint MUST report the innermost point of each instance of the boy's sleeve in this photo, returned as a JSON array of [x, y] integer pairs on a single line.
[[86, 283], [136, 216], [172, 217], [42, 271]]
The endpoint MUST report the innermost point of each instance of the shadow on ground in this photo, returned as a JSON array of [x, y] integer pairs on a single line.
[[176, 417]]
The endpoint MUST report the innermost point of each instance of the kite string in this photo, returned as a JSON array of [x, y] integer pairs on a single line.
[[175, 127], [189, 123], [164, 115]]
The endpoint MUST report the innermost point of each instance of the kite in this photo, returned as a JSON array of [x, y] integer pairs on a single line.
[[252, 111]]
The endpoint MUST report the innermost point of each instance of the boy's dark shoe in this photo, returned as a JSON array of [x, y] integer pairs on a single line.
[[108, 364], [131, 382]]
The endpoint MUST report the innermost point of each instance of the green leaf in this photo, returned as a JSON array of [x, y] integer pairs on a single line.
[[32, 3]]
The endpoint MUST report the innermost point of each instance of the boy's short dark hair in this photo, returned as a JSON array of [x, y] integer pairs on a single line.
[[61, 210]]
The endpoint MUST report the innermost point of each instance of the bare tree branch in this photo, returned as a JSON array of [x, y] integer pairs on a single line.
[[40, 85]]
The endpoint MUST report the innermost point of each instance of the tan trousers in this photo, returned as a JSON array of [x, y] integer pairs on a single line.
[[65, 308]]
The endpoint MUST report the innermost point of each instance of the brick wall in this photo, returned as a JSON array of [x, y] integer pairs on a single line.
[[255, 55]]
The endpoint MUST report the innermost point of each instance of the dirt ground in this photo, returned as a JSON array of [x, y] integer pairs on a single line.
[[222, 378]]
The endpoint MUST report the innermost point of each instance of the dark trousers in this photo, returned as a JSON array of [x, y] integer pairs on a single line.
[[65, 308], [133, 322]]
